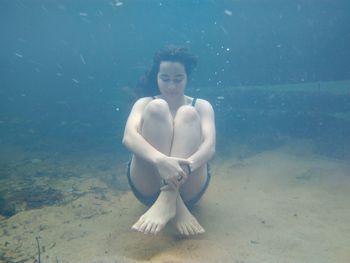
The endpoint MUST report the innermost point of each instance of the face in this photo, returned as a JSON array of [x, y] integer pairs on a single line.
[[171, 78]]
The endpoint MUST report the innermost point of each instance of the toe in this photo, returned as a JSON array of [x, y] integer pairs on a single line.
[[192, 230], [143, 226], [181, 229], [185, 228], [198, 227], [137, 225], [157, 229], [148, 228], [153, 228]]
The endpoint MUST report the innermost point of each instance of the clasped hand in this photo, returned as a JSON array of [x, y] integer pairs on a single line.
[[172, 170]]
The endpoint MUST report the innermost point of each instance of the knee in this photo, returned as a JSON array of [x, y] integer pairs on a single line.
[[157, 109], [186, 114]]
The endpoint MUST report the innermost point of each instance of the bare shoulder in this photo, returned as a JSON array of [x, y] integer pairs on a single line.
[[142, 102], [204, 106]]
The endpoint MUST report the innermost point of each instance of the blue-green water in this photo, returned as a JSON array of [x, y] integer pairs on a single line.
[[68, 68], [273, 70]]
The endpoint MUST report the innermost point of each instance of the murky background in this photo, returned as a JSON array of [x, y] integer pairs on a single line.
[[68, 68], [273, 70]]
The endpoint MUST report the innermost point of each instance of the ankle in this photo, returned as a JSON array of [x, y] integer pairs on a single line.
[[168, 187]]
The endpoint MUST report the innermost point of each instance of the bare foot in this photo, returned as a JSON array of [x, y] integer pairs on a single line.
[[158, 215], [184, 221]]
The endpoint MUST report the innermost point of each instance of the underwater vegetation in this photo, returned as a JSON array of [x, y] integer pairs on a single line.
[[31, 197], [6, 209]]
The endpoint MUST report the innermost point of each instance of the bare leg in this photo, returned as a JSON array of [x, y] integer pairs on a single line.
[[159, 214], [180, 139], [186, 141], [157, 129], [184, 221]]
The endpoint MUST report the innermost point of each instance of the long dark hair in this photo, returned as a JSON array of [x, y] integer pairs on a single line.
[[148, 83]]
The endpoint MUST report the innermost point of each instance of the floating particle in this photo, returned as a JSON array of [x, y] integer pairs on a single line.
[[228, 49], [82, 59], [224, 30], [18, 55], [59, 74], [36, 160], [220, 97], [75, 80], [83, 14], [44, 8], [117, 109], [117, 3], [228, 12]]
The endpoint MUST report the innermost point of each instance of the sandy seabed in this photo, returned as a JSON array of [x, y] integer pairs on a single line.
[[281, 205]]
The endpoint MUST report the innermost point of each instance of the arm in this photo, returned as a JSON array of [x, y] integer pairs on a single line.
[[133, 140], [169, 168], [207, 148]]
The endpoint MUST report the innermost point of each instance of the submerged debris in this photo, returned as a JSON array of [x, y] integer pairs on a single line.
[[38, 196], [6, 209], [29, 198]]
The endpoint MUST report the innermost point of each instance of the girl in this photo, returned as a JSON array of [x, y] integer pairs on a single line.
[[172, 137]]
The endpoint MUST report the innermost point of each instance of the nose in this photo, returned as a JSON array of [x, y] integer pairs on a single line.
[[172, 84]]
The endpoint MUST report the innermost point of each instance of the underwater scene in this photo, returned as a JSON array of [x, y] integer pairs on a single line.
[[277, 74]]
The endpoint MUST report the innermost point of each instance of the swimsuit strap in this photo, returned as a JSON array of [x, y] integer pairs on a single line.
[[194, 101]]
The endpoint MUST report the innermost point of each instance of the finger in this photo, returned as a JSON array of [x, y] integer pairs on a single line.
[[182, 160], [172, 183], [184, 178], [186, 168], [181, 173], [178, 183]]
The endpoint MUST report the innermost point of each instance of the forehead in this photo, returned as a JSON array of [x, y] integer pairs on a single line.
[[171, 68]]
